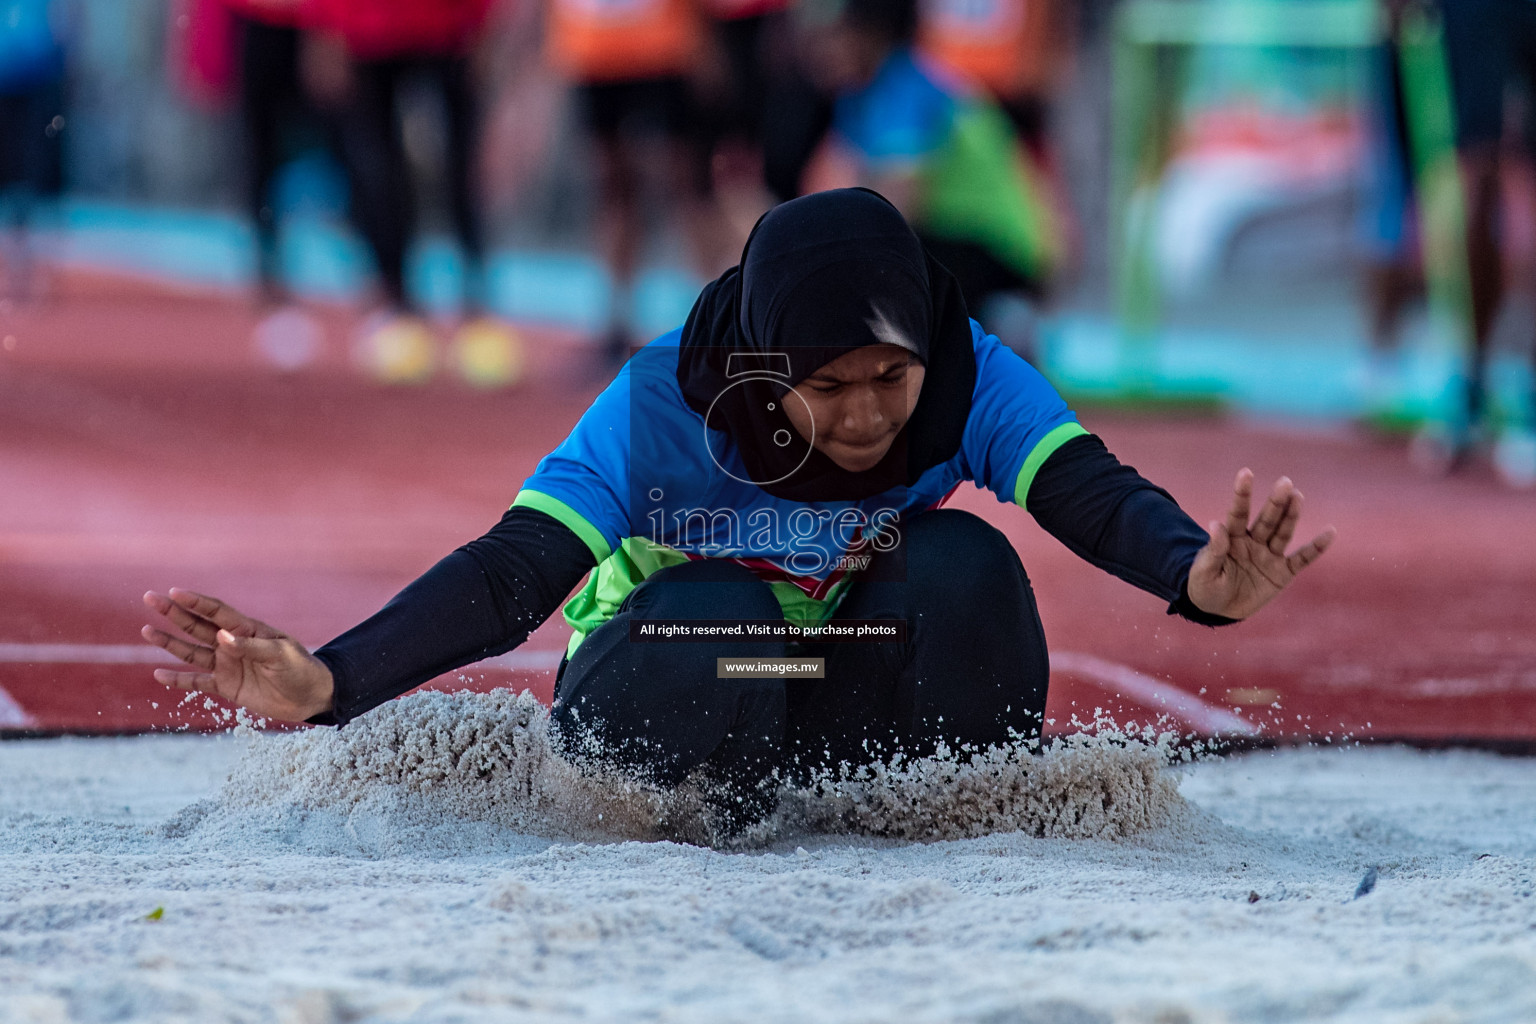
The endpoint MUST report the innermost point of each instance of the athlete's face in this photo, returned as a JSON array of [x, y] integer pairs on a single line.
[[856, 404]]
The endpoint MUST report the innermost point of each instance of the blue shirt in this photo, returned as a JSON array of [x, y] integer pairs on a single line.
[[646, 484], [31, 53], [903, 115]]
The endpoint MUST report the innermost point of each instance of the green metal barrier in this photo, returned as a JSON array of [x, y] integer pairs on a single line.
[[1153, 40]]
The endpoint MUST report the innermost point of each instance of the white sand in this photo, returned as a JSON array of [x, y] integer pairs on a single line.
[[433, 863]]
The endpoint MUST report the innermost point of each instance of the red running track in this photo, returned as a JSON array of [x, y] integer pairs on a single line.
[[143, 446]]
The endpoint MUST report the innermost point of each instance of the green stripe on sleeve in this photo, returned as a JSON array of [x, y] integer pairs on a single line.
[[589, 534], [1043, 449]]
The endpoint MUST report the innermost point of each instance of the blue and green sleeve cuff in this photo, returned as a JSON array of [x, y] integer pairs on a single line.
[[568, 517], [1044, 449]]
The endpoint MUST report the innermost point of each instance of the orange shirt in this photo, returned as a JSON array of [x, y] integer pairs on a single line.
[[1012, 47], [608, 40]]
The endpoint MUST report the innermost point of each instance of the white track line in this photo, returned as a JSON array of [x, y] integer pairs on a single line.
[[1126, 681], [144, 654], [83, 654]]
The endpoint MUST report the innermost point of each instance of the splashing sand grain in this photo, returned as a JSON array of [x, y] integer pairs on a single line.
[[492, 758], [486, 757], [1100, 785]]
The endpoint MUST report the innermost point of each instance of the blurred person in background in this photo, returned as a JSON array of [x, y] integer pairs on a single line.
[[360, 60], [748, 45], [1020, 51], [32, 123], [940, 147], [249, 51], [798, 116], [634, 69], [1388, 222], [275, 114], [1491, 51]]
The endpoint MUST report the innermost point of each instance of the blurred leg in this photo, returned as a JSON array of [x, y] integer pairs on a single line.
[[606, 106], [1485, 264], [796, 118], [268, 94], [1514, 454], [383, 202], [463, 140], [31, 123], [689, 176], [735, 109], [1393, 277], [1478, 41], [620, 232], [13, 128]]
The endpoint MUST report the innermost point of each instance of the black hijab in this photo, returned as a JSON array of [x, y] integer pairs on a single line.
[[820, 276]]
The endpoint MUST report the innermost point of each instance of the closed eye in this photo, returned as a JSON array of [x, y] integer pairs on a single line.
[[895, 375]]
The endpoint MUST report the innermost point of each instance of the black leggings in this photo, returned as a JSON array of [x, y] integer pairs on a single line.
[[973, 667], [272, 107], [373, 150]]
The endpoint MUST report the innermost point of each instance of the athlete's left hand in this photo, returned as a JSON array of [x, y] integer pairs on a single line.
[[1244, 567]]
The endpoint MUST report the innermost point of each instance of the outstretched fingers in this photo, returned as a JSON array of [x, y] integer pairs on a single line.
[[195, 626], [1287, 527], [1273, 512], [253, 650], [202, 681], [1313, 551], [1242, 498], [211, 609], [192, 654]]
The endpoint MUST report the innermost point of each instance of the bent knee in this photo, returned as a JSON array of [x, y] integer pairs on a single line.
[[949, 546]]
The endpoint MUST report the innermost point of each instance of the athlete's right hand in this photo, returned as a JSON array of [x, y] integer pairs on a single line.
[[238, 658]]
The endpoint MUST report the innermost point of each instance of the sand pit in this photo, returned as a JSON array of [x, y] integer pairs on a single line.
[[433, 862]]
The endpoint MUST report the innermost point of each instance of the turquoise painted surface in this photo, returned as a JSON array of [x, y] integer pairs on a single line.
[[322, 259]]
